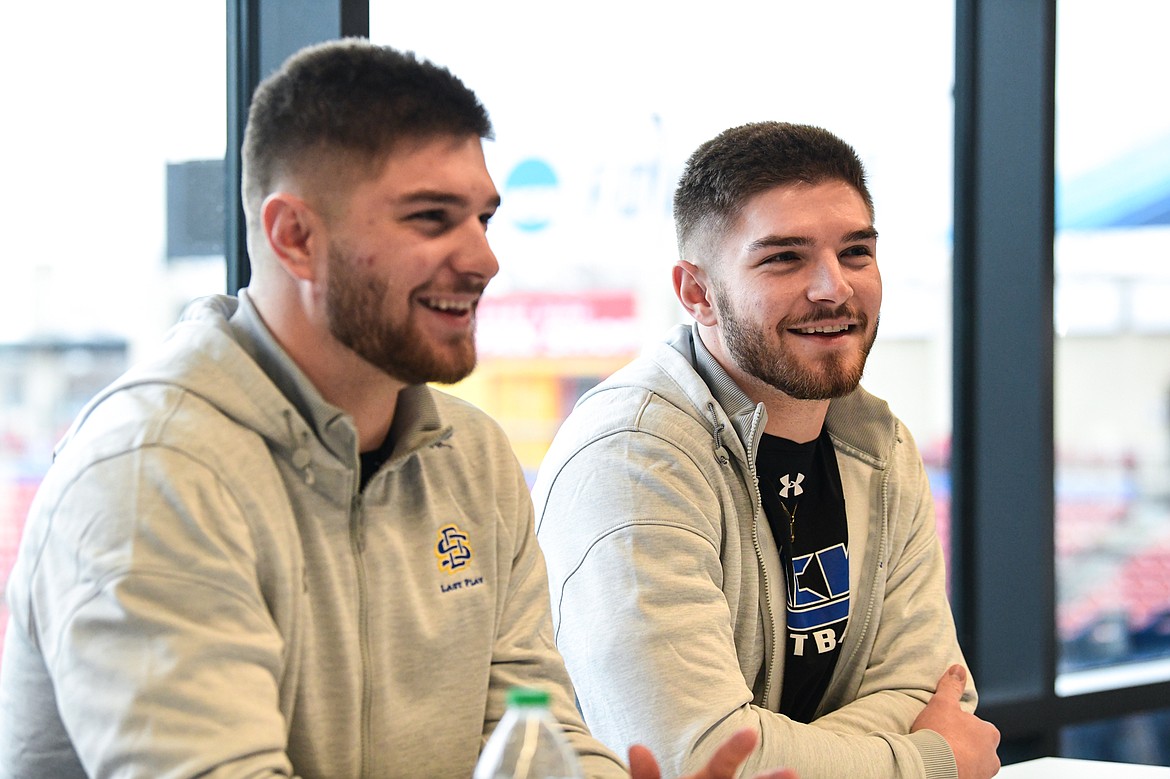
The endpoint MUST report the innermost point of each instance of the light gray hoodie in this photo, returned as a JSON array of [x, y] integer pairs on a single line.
[[668, 593], [202, 589]]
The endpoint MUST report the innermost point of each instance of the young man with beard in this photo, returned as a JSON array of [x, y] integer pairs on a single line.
[[271, 549], [737, 534]]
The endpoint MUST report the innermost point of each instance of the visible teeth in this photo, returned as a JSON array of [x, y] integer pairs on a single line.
[[448, 305], [829, 329]]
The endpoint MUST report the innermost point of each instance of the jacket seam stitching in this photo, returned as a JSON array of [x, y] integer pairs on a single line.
[[599, 537]]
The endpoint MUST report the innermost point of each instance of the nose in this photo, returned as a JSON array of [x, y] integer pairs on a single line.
[[476, 257], [827, 282]]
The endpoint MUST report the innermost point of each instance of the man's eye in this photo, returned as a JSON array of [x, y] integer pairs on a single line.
[[858, 251], [431, 218], [781, 257]]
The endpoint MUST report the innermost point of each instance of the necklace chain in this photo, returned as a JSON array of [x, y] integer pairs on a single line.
[[791, 513]]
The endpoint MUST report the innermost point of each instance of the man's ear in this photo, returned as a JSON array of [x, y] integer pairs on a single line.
[[291, 229], [693, 288]]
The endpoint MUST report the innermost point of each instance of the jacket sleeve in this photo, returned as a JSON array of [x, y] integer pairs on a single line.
[[145, 604], [646, 617], [525, 653]]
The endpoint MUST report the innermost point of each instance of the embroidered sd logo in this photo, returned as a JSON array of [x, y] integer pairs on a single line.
[[453, 549]]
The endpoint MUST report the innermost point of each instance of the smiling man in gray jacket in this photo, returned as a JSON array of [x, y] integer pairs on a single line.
[[737, 534], [272, 550]]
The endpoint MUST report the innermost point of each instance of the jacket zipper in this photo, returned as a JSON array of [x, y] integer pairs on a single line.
[[770, 664], [357, 543], [856, 638]]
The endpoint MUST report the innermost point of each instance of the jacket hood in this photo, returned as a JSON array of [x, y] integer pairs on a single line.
[[202, 355], [674, 370]]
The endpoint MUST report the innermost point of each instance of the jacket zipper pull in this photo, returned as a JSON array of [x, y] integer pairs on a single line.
[[357, 523]]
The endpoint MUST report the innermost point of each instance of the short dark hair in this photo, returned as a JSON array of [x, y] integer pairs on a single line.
[[351, 101], [739, 163]]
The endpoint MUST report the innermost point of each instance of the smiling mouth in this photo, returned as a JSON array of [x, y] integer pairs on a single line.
[[449, 306], [822, 329]]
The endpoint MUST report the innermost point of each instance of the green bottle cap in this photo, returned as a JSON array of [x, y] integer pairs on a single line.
[[527, 697]]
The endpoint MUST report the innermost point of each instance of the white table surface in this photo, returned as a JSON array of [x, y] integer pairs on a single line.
[[1065, 768]]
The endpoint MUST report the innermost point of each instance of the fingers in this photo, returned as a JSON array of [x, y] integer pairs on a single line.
[[952, 683], [642, 763], [727, 758], [722, 765]]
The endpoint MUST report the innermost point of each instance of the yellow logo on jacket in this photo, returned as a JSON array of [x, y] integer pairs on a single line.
[[453, 548]]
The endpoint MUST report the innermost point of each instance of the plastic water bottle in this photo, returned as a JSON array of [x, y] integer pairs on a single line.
[[527, 743]]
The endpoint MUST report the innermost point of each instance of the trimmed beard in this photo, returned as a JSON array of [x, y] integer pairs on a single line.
[[833, 376], [353, 306]]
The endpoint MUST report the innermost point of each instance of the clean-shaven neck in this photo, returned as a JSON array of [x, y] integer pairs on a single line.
[[797, 420], [367, 394]]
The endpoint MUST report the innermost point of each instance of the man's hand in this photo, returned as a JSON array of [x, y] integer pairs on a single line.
[[723, 763], [972, 740]]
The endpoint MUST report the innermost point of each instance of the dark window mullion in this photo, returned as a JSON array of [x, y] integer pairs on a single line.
[[1002, 469], [261, 34]]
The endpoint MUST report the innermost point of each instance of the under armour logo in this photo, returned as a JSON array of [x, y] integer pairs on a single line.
[[794, 485]]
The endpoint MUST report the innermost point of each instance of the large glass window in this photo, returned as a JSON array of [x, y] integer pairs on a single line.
[[1112, 371], [595, 113], [111, 207]]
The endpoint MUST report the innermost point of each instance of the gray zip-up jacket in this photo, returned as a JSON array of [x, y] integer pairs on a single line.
[[202, 589], [668, 592]]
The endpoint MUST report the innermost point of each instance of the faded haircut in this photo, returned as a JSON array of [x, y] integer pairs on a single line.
[[728, 170], [338, 109]]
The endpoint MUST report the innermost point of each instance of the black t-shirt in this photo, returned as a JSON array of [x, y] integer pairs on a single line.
[[373, 460], [801, 489]]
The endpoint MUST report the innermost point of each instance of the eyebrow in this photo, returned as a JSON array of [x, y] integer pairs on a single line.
[[774, 241], [446, 198]]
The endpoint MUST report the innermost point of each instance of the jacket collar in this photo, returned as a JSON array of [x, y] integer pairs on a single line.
[[329, 424], [860, 422], [417, 422], [747, 418]]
